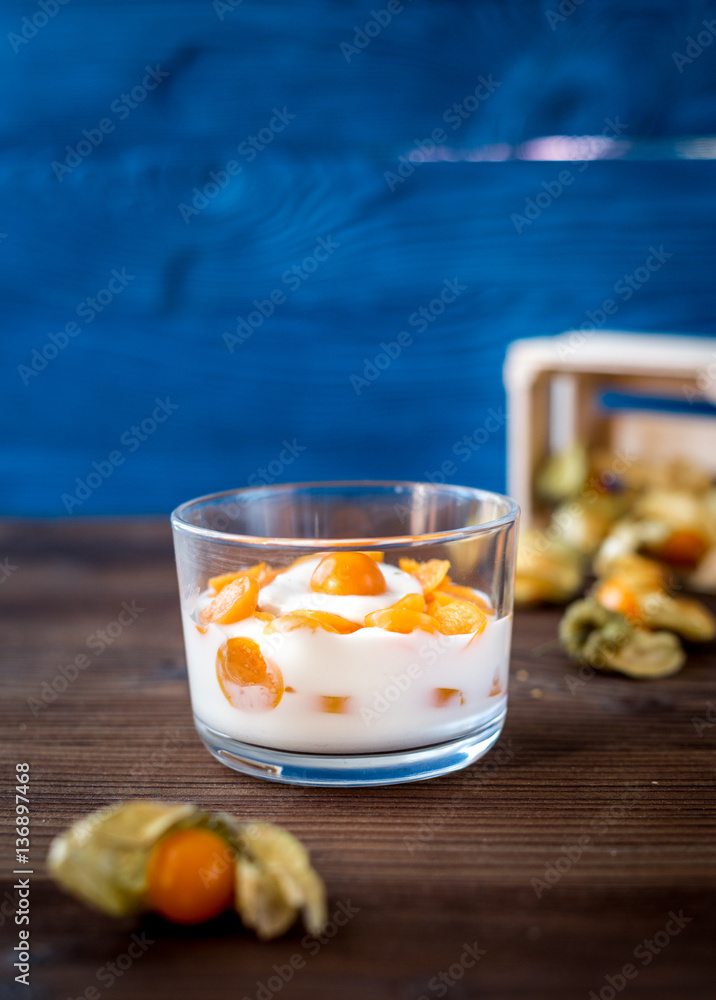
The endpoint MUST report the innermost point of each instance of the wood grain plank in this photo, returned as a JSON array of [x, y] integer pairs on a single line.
[[430, 867]]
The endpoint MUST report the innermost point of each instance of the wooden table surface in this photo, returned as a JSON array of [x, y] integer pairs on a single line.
[[577, 863]]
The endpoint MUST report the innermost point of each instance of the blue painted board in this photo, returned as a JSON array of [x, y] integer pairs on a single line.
[[163, 283]]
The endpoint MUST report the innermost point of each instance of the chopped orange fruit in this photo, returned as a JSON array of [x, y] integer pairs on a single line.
[[190, 876], [404, 616], [264, 616], [465, 594], [442, 597], [333, 704], [267, 574], [202, 629], [328, 621], [219, 582], [241, 661], [460, 618], [289, 622], [347, 573], [684, 547], [495, 689], [430, 574], [614, 595], [247, 679], [235, 601], [447, 696]]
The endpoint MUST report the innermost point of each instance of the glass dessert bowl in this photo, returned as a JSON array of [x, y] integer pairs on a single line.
[[350, 633]]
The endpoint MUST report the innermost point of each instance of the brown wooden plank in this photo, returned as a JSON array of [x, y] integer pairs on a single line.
[[431, 866]]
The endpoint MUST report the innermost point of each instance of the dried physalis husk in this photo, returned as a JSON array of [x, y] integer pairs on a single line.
[[625, 539], [648, 655], [275, 880], [102, 860], [703, 577], [605, 640], [684, 615], [563, 474], [583, 524], [546, 570]]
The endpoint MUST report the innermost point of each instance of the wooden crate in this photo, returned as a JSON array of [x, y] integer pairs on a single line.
[[556, 387]]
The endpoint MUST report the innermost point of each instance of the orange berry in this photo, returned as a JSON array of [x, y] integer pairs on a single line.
[[455, 590], [289, 622], [404, 616], [460, 618], [249, 682], [684, 547], [219, 582], [333, 704], [430, 574], [235, 601], [616, 596], [347, 573], [447, 696], [190, 876], [328, 621]]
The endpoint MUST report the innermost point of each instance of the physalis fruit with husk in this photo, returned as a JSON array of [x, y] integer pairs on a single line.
[[188, 865], [608, 641]]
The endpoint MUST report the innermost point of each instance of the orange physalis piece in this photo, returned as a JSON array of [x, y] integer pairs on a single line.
[[235, 601], [333, 704], [430, 574], [447, 696], [328, 621], [249, 681], [347, 573], [294, 620], [202, 629], [495, 689], [684, 547], [455, 590], [219, 582], [614, 595], [190, 876], [404, 616], [460, 618], [264, 616]]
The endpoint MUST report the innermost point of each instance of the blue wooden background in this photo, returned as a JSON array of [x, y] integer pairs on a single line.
[[350, 105]]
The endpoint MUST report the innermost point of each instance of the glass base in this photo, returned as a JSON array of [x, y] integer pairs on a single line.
[[392, 768]]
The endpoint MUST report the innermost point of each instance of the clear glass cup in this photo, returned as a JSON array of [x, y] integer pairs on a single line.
[[364, 705]]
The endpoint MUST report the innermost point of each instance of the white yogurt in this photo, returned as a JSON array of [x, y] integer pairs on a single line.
[[371, 690], [291, 591]]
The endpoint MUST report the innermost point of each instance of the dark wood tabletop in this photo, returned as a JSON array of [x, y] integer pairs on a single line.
[[578, 862]]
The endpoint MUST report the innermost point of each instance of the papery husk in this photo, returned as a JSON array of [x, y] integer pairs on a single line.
[[703, 578], [625, 539], [607, 641], [563, 474], [684, 615], [648, 655], [275, 880], [102, 858], [678, 509], [546, 570], [583, 524]]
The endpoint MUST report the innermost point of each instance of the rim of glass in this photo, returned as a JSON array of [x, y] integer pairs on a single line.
[[180, 524]]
